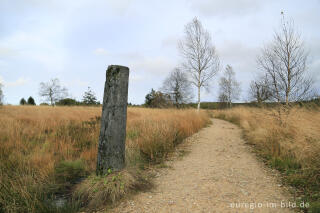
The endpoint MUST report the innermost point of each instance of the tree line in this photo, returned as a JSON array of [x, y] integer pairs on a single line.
[[55, 94], [282, 74], [282, 71]]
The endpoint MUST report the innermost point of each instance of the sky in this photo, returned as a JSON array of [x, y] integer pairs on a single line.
[[76, 40]]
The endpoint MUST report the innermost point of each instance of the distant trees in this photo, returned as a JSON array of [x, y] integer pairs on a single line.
[[55, 94], [52, 91], [31, 101], [1, 94], [23, 101], [260, 90], [177, 87], [284, 62], [157, 99], [201, 61], [89, 98], [229, 87]]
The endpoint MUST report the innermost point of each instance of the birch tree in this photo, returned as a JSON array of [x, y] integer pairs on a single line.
[[284, 61], [201, 61], [229, 87]]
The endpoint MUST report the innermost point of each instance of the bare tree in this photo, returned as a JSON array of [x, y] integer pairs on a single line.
[[178, 87], [1, 94], [259, 90], [200, 57], [229, 87], [284, 61], [52, 91]]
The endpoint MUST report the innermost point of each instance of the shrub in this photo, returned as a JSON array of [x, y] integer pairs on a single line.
[[67, 102]]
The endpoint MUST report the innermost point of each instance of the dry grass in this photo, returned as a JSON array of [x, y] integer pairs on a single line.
[[45, 151], [292, 147]]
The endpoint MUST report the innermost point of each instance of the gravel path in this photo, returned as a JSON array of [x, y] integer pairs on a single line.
[[220, 174]]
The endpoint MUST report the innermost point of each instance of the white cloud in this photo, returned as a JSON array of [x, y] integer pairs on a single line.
[[77, 83], [19, 82], [100, 51], [170, 41], [3, 64], [130, 56], [224, 7], [156, 65], [37, 46], [6, 51], [120, 6], [136, 78], [231, 51]]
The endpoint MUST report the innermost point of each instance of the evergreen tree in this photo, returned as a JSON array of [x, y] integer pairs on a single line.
[[31, 101], [149, 98], [89, 97], [23, 101]]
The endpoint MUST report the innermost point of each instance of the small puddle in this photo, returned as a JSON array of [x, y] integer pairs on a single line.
[[60, 202]]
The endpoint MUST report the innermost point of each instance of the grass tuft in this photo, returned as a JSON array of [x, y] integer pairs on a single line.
[[97, 191]]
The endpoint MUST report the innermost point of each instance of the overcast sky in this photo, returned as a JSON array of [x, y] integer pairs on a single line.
[[76, 40]]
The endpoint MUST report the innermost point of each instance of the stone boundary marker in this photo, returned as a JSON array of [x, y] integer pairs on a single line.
[[111, 148]]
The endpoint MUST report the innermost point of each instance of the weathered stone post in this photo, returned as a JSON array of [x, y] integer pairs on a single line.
[[111, 148]]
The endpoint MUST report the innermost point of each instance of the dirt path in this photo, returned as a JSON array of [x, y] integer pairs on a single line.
[[219, 174]]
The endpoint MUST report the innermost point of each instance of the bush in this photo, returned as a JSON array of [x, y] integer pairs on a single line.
[[67, 102]]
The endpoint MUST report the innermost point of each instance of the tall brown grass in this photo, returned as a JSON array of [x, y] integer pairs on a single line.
[[45, 151], [293, 146]]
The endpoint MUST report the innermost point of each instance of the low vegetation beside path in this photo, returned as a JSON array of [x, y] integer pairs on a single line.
[[292, 146], [48, 155]]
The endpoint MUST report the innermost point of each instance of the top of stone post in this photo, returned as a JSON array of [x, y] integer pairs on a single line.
[[118, 66]]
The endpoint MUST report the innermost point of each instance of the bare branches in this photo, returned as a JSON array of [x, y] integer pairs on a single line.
[[178, 87], [52, 91], [284, 62], [201, 61], [259, 90], [229, 87]]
